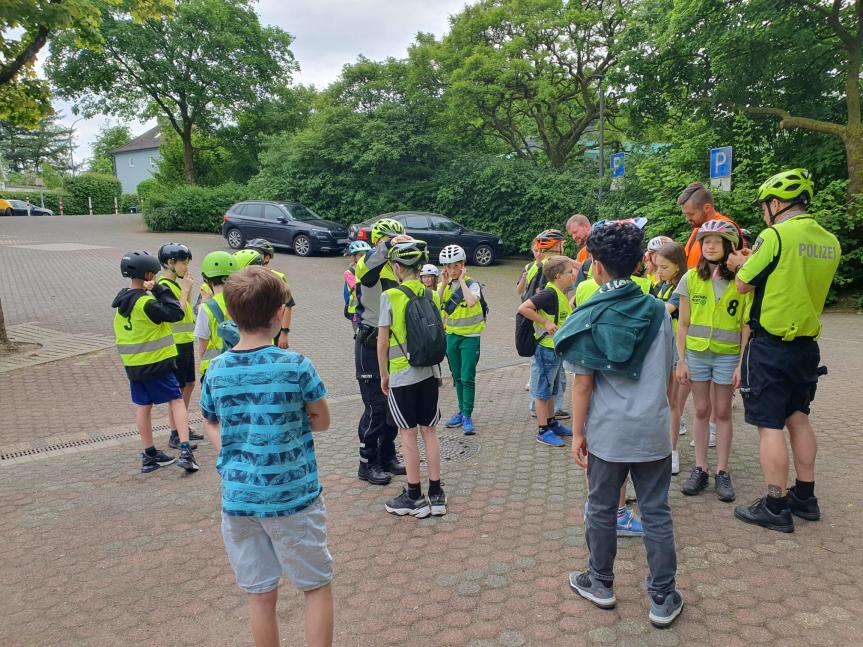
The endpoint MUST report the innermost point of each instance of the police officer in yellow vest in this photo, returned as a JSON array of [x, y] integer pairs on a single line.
[[374, 274], [175, 258], [215, 268], [146, 344], [790, 268], [462, 306]]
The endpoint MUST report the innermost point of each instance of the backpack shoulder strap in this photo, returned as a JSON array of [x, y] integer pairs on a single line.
[[410, 294], [215, 309]]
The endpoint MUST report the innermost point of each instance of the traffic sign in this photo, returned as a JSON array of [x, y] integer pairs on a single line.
[[617, 164], [720, 168]]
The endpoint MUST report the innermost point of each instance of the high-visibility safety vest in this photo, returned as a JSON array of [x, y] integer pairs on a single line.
[[139, 340], [587, 288], [715, 325], [792, 267], [464, 320], [281, 276], [352, 292], [184, 330], [665, 295], [398, 361], [564, 309], [215, 345], [369, 298]]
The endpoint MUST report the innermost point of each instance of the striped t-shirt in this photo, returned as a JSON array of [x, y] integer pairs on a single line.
[[267, 462]]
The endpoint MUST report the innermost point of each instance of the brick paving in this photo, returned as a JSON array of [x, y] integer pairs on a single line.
[[93, 550]]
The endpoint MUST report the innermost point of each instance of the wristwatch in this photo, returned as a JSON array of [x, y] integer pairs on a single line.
[[286, 330]]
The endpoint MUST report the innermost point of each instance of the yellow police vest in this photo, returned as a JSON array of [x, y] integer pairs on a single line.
[[464, 320], [715, 325], [139, 340], [398, 361], [215, 345], [801, 258], [184, 330], [564, 309]]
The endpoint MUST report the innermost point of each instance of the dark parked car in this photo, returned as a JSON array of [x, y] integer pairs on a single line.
[[284, 224], [438, 231], [19, 208]]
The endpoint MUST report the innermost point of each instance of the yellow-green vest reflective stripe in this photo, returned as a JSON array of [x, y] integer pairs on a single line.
[[715, 325], [398, 328], [184, 330], [139, 340], [464, 320], [563, 310], [215, 345]]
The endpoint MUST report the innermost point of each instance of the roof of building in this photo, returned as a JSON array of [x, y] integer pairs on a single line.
[[150, 139]]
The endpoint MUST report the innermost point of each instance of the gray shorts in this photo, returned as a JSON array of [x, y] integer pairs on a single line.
[[262, 549], [707, 366]]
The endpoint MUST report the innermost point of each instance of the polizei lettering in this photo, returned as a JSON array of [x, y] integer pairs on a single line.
[[812, 250]]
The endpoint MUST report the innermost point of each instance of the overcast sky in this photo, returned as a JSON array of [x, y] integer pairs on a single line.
[[327, 35]]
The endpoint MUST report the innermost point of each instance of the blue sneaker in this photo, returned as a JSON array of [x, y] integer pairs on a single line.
[[467, 425], [455, 421], [628, 525], [665, 609], [550, 438], [560, 429]]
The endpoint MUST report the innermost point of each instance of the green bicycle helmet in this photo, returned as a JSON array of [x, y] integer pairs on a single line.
[[261, 245], [246, 257], [386, 227], [788, 186], [411, 253], [216, 264]]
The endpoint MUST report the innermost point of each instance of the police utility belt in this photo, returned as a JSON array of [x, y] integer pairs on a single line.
[[368, 336]]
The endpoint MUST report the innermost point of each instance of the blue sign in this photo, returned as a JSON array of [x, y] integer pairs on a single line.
[[617, 165], [720, 162]]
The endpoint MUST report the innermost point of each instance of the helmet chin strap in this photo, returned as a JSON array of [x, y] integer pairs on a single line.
[[774, 216]]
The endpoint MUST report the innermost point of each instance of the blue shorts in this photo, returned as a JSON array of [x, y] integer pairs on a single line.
[[546, 371], [263, 549], [707, 366], [157, 390]]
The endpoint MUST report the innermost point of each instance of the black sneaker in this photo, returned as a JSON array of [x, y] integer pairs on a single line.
[[187, 461], [696, 482], [759, 514], [152, 463], [373, 474], [438, 503], [403, 504], [394, 467], [174, 441], [804, 508], [724, 487], [194, 435]]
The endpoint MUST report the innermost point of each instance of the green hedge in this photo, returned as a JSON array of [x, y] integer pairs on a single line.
[[100, 188], [189, 208]]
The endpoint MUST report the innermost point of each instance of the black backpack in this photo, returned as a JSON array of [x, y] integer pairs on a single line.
[[537, 283], [426, 340], [525, 339]]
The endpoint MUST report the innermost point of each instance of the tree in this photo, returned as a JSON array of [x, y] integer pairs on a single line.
[[109, 138], [204, 66], [525, 72], [26, 99], [28, 150]]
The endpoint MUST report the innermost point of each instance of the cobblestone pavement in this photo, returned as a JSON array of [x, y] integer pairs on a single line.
[[95, 553]]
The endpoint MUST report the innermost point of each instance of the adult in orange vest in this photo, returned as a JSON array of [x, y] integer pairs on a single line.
[[696, 202], [578, 226]]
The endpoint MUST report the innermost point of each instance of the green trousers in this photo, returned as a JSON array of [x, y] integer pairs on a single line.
[[462, 353]]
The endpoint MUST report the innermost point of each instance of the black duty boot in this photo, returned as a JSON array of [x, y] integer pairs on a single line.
[[373, 474], [804, 508], [394, 467]]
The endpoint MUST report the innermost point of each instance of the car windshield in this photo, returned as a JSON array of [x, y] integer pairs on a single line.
[[20, 204], [301, 212]]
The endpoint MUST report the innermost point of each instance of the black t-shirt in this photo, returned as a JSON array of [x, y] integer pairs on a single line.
[[545, 300]]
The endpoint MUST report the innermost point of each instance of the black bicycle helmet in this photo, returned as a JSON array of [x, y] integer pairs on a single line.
[[137, 264], [261, 245], [174, 252]]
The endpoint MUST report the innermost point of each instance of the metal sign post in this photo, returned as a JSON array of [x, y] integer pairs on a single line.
[[720, 168]]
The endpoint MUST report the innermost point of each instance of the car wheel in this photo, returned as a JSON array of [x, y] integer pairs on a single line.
[[302, 245], [9, 213], [235, 238], [483, 255]]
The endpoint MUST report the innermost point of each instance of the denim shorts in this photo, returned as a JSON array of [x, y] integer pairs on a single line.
[[546, 371], [262, 549], [707, 366]]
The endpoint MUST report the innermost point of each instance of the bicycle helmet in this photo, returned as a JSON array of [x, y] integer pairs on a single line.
[[452, 254], [174, 252], [264, 247], [638, 221], [748, 236], [548, 239], [656, 242], [721, 228], [788, 186], [137, 264], [216, 264], [358, 247], [429, 270], [246, 257], [410, 253], [386, 227]]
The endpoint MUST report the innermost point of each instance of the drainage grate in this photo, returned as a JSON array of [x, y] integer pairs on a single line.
[[452, 449]]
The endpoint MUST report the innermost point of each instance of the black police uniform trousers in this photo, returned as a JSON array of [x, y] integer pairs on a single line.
[[377, 435]]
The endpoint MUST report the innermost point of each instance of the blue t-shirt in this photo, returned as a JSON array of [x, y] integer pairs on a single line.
[[267, 462]]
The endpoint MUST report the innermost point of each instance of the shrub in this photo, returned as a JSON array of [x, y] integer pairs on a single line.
[[101, 189], [191, 208], [128, 200]]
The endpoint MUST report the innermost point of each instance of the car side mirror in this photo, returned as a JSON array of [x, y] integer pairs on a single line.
[[284, 220], [460, 230]]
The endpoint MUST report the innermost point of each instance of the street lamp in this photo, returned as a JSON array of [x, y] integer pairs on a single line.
[[71, 156], [600, 78]]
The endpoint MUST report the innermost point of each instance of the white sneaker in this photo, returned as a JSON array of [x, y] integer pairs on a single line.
[[675, 463], [527, 387], [711, 442], [682, 431]]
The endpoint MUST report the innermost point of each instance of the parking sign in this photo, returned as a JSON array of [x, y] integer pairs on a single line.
[[617, 167], [720, 162]]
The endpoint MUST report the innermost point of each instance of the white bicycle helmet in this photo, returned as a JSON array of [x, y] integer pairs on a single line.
[[656, 242], [452, 254], [429, 270]]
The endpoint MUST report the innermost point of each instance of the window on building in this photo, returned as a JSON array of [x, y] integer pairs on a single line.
[[131, 162]]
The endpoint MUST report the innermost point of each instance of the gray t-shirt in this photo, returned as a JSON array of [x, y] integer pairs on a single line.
[[628, 419], [413, 374]]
